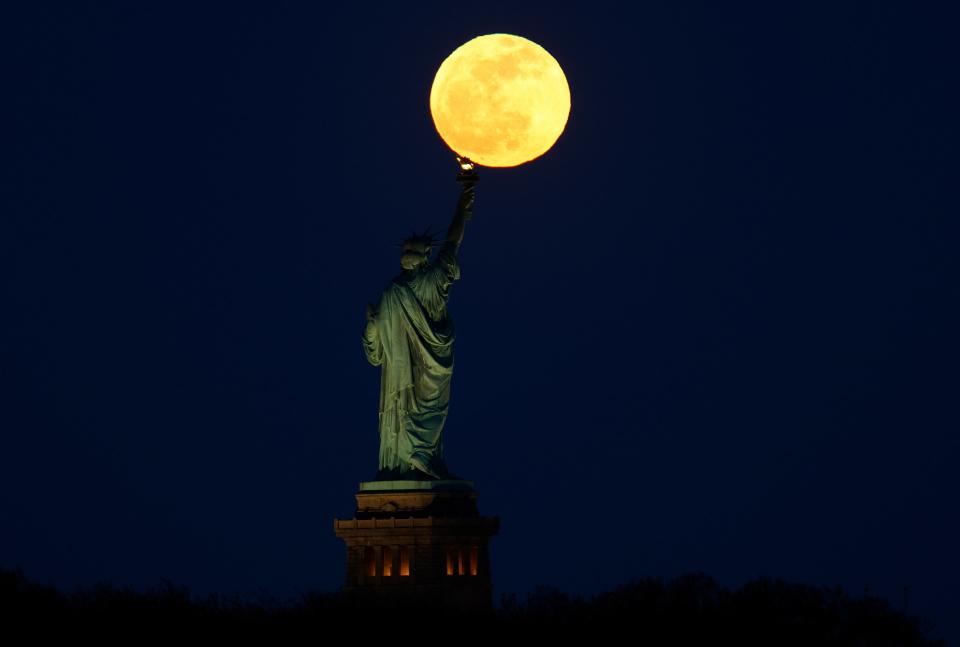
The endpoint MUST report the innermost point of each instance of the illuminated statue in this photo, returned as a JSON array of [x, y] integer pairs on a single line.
[[410, 334]]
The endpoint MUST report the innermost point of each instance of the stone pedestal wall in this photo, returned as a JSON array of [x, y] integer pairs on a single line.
[[430, 542]]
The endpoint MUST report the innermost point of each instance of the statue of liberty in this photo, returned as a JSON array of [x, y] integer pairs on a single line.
[[410, 335]]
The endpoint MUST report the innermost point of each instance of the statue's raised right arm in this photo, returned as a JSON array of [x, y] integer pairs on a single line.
[[468, 182]]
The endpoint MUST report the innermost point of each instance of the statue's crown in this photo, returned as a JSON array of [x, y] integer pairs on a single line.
[[419, 242]]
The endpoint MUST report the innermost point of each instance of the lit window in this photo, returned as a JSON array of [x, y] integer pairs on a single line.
[[450, 560], [387, 561], [369, 562]]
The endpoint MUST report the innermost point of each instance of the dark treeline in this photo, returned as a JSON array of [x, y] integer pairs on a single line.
[[692, 609]]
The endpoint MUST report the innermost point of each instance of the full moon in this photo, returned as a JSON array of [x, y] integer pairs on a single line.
[[500, 100]]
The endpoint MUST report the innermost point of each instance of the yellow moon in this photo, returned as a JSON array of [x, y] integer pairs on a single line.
[[500, 100]]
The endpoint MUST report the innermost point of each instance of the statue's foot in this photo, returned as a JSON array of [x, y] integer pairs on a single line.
[[420, 465]]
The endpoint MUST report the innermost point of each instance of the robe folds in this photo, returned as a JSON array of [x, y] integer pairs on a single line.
[[411, 337]]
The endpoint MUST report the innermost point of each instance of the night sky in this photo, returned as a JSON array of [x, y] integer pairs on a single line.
[[714, 328]]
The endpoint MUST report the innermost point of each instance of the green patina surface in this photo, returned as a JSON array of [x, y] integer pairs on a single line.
[[410, 335], [397, 486]]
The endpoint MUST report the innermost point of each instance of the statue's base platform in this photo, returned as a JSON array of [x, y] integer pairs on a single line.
[[419, 538], [386, 499], [410, 485]]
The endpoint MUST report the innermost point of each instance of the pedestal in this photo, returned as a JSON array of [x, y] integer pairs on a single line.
[[419, 538]]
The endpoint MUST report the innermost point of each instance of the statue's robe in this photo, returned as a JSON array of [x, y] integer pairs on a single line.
[[411, 336]]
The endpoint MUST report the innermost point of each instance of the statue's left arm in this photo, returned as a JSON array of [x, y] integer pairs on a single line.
[[372, 344]]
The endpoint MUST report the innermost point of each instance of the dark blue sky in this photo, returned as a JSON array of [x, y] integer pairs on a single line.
[[714, 328]]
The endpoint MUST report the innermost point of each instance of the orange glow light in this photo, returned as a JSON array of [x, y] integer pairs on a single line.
[[369, 562], [387, 561]]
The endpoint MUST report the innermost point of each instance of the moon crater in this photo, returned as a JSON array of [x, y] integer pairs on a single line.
[[500, 100]]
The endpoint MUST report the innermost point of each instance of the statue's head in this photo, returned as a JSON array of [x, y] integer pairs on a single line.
[[415, 250]]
